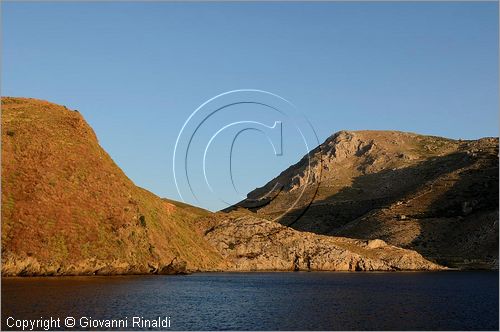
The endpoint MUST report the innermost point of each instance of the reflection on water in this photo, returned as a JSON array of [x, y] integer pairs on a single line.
[[266, 301]]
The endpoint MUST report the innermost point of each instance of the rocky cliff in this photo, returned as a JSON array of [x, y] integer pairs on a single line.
[[434, 195]]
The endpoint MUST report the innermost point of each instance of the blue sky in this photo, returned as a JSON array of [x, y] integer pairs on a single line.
[[137, 71]]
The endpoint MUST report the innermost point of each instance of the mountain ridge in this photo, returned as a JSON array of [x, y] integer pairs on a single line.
[[368, 178]]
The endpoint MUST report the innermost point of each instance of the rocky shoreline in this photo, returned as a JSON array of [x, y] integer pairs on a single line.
[[253, 244], [249, 244], [31, 267]]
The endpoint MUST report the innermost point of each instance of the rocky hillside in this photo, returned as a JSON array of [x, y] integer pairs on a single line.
[[435, 195], [68, 209], [253, 244]]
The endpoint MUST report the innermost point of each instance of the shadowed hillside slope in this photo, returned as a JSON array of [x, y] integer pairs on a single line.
[[435, 195], [67, 208]]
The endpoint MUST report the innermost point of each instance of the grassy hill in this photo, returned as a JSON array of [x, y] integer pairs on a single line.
[[67, 208]]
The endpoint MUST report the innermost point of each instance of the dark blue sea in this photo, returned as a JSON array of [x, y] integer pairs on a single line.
[[258, 301]]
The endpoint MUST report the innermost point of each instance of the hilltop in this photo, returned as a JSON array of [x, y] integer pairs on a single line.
[[435, 195]]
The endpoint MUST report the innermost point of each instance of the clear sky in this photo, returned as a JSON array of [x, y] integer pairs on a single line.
[[137, 71]]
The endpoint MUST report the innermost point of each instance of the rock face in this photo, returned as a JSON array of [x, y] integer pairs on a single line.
[[253, 244], [434, 195], [14, 266]]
